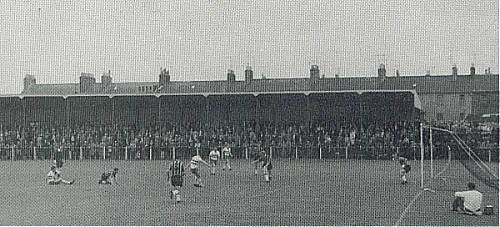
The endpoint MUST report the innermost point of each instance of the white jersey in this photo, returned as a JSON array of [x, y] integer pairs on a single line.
[[195, 162], [472, 199], [214, 155], [53, 176], [226, 152]]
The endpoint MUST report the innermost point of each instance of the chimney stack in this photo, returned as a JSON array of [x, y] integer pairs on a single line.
[[472, 70], [231, 77], [248, 74], [106, 81], [427, 72], [29, 80], [488, 71], [454, 72], [314, 72], [381, 70], [164, 77], [87, 83]]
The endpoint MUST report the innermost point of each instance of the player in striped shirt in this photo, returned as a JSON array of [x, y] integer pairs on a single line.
[[213, 159], [109, 177], [176, 177], [194, 166], [54, 177], [226, 155]]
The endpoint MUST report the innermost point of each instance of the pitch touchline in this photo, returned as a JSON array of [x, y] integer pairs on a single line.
[[408, 207]]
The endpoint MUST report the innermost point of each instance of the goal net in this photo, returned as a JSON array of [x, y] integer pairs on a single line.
[[450, 163]]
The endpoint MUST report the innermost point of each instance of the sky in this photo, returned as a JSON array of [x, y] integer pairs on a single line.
[[200, 40]]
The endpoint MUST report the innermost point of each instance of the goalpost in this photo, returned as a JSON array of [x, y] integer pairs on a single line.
[[471, 166]]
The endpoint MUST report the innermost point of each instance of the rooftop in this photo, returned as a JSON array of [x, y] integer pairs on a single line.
[[422, 84]]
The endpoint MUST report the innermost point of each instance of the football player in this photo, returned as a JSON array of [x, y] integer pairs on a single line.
[[268, 166], [54, 177], [109, 177], [226, 155], [194, 166], [257, 161], [405, 169], [176, 177], [213, 159], [58, 158]]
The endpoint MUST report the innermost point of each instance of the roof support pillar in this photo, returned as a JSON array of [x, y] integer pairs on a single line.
[[66, 112], [24, 112]]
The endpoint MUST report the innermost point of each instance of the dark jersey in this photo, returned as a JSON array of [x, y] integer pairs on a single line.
[[407, 167], [265, 159], [107, 175], [262, 157], [177, 168]]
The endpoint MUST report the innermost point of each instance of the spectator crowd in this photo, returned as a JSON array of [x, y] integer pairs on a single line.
[[370, 141]]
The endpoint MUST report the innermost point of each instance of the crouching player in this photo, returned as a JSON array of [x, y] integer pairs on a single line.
[[54, 177], [176, 177], [213, 159], [194, 166], [109, 177], [405, 169]]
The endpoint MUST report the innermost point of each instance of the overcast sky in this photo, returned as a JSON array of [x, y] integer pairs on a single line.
[[200, 40]]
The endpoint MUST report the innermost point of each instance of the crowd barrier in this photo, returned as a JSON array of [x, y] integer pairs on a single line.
[[238, 152]]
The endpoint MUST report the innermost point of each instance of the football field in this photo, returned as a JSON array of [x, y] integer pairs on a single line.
[[301, 192]]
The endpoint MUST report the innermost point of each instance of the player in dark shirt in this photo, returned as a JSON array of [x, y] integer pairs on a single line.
[[109, 177], [257, 161], [264, 161], [176, 175], [405, 169], [58, 158]]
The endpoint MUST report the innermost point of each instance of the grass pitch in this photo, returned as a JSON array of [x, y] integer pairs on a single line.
[[302, 192]]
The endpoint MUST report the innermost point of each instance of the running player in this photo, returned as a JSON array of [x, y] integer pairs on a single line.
[[264, 161], [405, 169], [194, 166], [226, 155], [109, 177], [213, 158], [176, 177], [257, 161], [54, 177], [268, 166]]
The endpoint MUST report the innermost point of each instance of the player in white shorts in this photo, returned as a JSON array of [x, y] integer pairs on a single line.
[[54, 177], [213, 159], [226, 155], [258, 161], [194, 166]]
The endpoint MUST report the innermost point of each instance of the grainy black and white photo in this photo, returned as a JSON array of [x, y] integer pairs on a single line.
[[249, 113]]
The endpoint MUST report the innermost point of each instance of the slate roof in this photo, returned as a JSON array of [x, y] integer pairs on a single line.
[[424, 84]]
